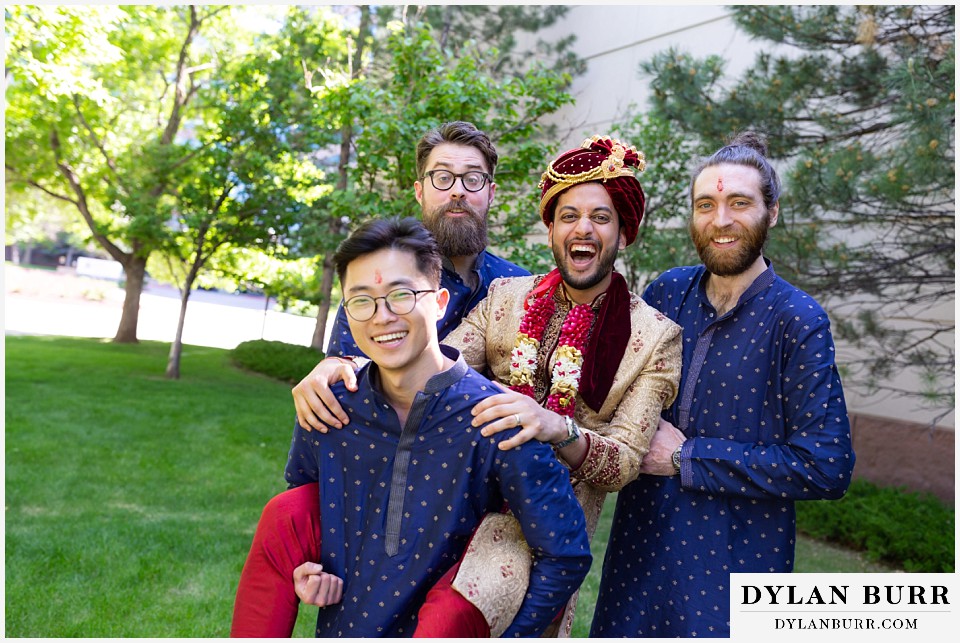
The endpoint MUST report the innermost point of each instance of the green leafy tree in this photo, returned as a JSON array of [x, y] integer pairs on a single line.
[[34, 219], [501, 28], [858, 104], [342, 200], [95, 125], [408, 84], [242, 194], [251, 179], [662, 239]]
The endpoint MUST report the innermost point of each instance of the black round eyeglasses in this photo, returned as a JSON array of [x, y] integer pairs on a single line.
[[473, 181], [399, 302]]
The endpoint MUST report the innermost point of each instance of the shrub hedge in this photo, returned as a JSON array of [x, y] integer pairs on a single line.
[[279, 360], [911, 531]]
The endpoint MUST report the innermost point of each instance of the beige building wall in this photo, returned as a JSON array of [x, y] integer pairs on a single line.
[[615, 39], [897, 440]]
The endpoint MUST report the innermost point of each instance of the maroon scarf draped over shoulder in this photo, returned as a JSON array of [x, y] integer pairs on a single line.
[[608, 342]]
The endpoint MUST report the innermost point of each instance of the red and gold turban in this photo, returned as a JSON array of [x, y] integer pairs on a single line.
[[602, 159]]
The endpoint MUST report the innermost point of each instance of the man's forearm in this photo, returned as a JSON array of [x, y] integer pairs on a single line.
[[554, 526], [553, 580]]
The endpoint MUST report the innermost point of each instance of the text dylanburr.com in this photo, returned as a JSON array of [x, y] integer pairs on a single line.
[[843, 607]]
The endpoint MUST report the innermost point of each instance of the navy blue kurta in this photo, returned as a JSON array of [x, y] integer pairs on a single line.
[[398, 503], [763, 410], [462, 300]]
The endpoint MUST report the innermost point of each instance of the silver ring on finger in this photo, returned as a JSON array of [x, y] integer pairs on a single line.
[[517, 418]]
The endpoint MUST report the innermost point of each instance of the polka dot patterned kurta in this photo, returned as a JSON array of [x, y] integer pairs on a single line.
[[399, 503], [763, 410], [463, 298]]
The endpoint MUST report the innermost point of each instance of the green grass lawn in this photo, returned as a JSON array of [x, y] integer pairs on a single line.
[[131, 499]]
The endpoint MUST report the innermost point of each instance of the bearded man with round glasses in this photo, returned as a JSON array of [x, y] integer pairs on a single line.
[[455, 165]]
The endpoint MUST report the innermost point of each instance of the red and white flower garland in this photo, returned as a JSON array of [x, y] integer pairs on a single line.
[[568, 358]]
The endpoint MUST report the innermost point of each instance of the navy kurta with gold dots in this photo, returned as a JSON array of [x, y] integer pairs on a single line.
[[398, 503], [766, 423]]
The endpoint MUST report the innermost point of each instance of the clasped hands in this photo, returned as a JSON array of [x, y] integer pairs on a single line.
[[659, 459], [315, 586]]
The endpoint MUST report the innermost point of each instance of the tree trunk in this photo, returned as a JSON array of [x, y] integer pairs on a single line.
[[135, 269], [134, 266], [176, 348], [326, 287], [346, 140], [134, 263]]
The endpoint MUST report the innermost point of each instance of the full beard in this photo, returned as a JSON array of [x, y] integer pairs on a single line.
[[728, 263], [606, 258], [458, 236]]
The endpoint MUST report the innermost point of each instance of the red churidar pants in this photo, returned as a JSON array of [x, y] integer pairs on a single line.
[[287, 536]]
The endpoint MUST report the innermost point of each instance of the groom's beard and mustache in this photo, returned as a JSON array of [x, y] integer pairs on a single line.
[[458, 236]]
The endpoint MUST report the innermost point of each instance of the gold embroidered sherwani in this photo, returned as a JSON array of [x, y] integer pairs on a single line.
[[619, 432]]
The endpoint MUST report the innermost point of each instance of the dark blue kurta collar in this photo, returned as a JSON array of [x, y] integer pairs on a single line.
[[438, 382], [763, 281]]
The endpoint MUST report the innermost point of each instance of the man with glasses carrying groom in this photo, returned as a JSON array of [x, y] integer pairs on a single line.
[[402, 489]]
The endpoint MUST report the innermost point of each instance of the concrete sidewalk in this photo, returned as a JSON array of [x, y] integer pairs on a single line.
[[206, 324], [213, 319]]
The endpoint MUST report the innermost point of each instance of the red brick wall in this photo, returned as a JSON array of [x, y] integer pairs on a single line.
[[894, 453]]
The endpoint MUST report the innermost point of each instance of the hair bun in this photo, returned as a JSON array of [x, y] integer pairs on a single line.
[[753, 140]]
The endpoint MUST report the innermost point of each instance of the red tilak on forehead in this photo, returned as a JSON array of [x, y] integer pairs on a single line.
[[377, 277], [720, 184]]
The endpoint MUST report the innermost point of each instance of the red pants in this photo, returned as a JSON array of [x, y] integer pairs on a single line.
[[447, 614], [287, 536]]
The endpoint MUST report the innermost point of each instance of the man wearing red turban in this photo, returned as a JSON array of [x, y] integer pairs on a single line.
[[610, 163], [589, 365], [588, 368]]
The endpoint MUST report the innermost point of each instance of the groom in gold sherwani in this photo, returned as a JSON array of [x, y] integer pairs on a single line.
[[589, 365], [586, 366]]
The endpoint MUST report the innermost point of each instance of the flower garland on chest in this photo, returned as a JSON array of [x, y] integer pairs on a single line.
[[567, 359]]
